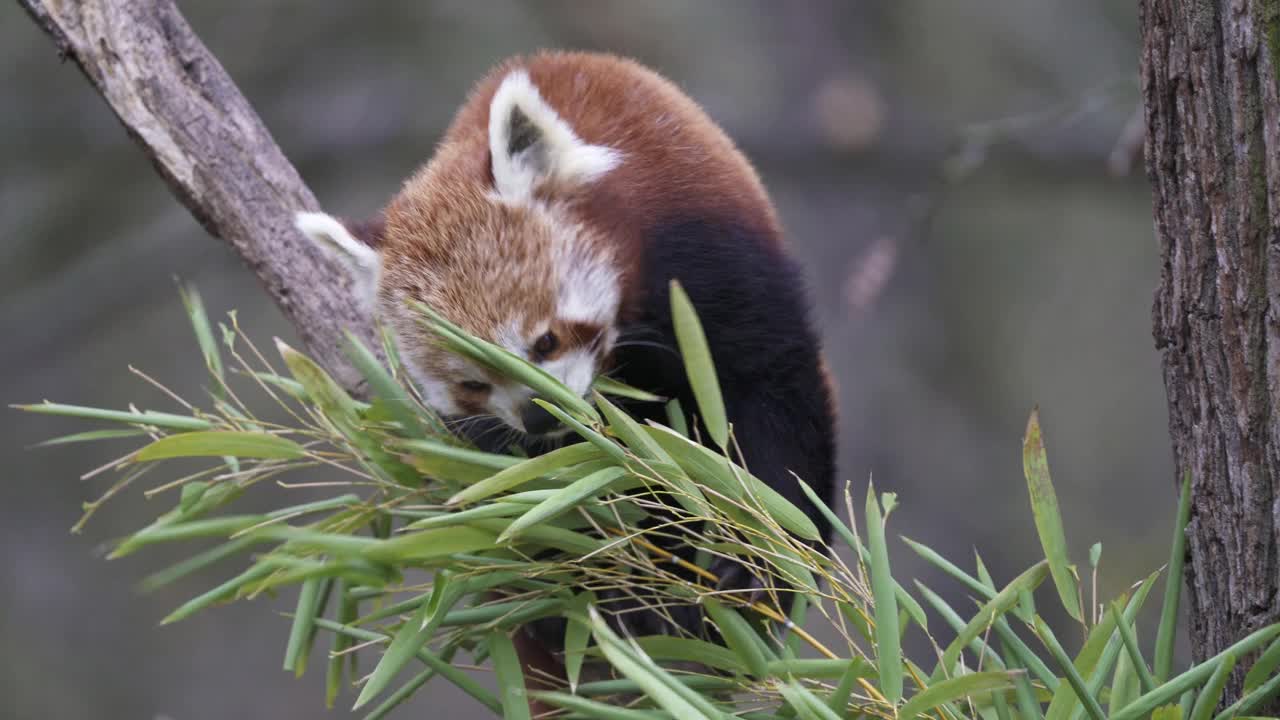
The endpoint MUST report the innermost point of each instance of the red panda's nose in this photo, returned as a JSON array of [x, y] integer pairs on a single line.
[[537, 421]]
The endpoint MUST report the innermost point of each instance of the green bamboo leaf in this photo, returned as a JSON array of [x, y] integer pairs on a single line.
[[406, 643], [716, 471], [507, 363], [699, 366], [441, 666], [90, 436], [195, 563], [990, 612], [1076, 682], [977, 645], [395, 699], [300, 632], [609, 386], [1044, 506], [217, 594], [888, 647], [1168, 629], [1136, 664], [218, 443], [526, 470], [510, 676], [146, 418], [348, 608], [739, 637], [625, 428], [1167, 712], [955, 688], [1245, 706], [1263, 668], [819, 668], [402, 407], [655, 682], [576, 634], [854, 670], [905, 600], [204, 333], [564, 499], [344, 414], [431, 544], [1211, 693], [805, 703], [667, 647], [586, 707], [676, 418]]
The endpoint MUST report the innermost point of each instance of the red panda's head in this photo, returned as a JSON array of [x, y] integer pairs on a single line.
[[485, 235]]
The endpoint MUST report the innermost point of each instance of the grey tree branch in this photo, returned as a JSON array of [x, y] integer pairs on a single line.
[[179, 104]]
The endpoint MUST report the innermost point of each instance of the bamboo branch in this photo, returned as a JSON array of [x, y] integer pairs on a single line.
[[176, 100]]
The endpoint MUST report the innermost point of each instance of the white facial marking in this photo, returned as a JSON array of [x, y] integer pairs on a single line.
[[575, 369], [437, 392], [546, 148]]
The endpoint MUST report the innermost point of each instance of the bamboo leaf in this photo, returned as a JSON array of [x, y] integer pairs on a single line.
[[510, 676], [594, 709], [204, 332], [220, 443], [1263, 668], [1168, 628], [609, 386], [991, 611], [953, 689], [1044, 506], [1074, 680], [803, 701], [524, 471], [698, 365], [404, 647], [576, 634], [888, 647], [563, 500], [146, 418], [300, 633], [653, 681], [1176, 686], [739, 636], [1211, 693], [668, 647], [402, 408], [715, 471]]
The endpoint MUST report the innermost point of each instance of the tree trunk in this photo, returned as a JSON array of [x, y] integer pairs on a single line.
[[1211, 87]]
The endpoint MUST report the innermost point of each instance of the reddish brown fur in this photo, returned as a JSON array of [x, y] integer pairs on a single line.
[[676, 161]]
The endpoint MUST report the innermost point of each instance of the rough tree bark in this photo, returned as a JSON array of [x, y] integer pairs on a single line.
[[179, 104], [1211, 84]]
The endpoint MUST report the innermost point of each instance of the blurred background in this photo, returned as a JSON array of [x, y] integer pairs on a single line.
[[955, 176]]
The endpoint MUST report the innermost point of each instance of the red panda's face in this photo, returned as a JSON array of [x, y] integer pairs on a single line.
[[500, 254], [522, 277]]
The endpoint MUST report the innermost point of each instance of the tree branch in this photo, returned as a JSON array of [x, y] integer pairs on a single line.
[[179, 104]]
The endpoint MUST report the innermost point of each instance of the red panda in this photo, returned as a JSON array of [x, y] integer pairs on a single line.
[[567, 193]]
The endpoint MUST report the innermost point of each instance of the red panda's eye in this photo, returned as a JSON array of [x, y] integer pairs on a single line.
[[474, 386], [546, 344]]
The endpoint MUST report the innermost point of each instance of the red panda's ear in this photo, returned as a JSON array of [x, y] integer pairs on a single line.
[[532, 145], [332, 236]]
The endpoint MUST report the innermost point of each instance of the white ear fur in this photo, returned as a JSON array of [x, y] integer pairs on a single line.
[[335, 239], [530, 144]]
